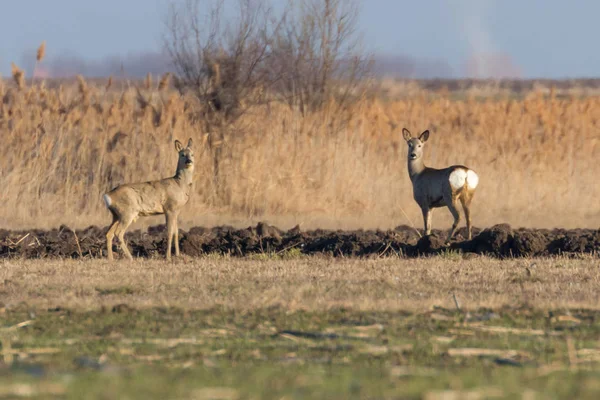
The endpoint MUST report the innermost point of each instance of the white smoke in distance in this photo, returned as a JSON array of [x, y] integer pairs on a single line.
[[485, 59]]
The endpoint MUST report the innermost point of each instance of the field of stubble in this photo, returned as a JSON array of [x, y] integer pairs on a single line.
[[301, 327], [251, 311]]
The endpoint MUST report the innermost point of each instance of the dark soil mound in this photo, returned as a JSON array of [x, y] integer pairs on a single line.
[[499, 241]]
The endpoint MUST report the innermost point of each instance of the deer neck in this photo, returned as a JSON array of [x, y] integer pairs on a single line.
[[415, 167], [184, 176]]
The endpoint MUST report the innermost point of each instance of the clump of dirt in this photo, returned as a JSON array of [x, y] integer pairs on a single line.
[[431, 244], [499, 241], [574, 241], [529, 243]]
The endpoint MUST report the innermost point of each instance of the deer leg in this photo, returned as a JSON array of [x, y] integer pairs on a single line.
[[454, 210], [110, 234], [466, 202], [176, 236], [171, 220], [123, 225], [429, 217], [427, 212]]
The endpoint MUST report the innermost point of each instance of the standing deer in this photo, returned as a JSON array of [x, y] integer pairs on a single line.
[[166, 196], [434, 188]]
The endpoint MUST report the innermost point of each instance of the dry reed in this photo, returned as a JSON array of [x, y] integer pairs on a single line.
[[164, 82], [148, 81], [83, 90], [41, 52], [18, 75], [537, 158]]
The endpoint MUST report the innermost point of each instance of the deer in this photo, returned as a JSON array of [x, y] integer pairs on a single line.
[[434, 188], [167, 196]]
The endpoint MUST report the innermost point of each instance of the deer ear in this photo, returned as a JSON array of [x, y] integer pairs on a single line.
[[189, 143], [424, 136], [178, 145], [406, 134]]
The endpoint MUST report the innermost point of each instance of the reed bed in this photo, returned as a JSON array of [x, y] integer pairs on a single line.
[[64, 146]]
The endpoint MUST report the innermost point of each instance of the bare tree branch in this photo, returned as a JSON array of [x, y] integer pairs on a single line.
[[305, 57]]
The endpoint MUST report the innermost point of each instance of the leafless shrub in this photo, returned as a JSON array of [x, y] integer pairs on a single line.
[[306, 56], [220, 61], [316, 54]]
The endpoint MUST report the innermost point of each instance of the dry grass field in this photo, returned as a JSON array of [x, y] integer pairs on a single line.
[[304, 283], [64, 145], [276, 323], [303, 327]]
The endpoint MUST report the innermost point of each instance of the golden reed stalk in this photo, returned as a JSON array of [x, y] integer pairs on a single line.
[[536, 157]]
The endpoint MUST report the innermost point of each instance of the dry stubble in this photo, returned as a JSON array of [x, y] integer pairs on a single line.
[[308, 283]]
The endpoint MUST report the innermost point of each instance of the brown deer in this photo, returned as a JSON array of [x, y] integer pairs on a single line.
[[166, 196], [434, 188]]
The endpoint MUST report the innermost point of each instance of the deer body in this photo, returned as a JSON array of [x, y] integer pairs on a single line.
[[433, 188], [166, 196]]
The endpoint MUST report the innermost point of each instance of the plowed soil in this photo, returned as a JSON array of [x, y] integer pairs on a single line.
[[499, 241]]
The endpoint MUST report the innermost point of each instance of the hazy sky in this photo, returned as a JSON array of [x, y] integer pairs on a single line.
[[543, 38]]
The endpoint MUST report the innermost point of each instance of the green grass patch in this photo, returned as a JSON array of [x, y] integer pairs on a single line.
[[119, 290], [121, 352]]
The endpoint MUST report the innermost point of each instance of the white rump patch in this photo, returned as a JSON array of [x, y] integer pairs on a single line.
[[107, 200], [458, 178], [472, 179]]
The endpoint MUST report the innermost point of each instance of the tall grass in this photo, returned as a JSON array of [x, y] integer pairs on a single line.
[[63, 147]]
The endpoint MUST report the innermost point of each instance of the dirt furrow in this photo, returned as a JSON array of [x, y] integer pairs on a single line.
[[499, 241]]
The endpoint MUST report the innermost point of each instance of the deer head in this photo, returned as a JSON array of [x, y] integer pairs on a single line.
[[186, 155], [415, 145]]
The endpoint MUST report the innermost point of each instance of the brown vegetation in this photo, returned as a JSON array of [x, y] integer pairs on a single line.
[[306, 283], [64, 147], [298, 57]]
